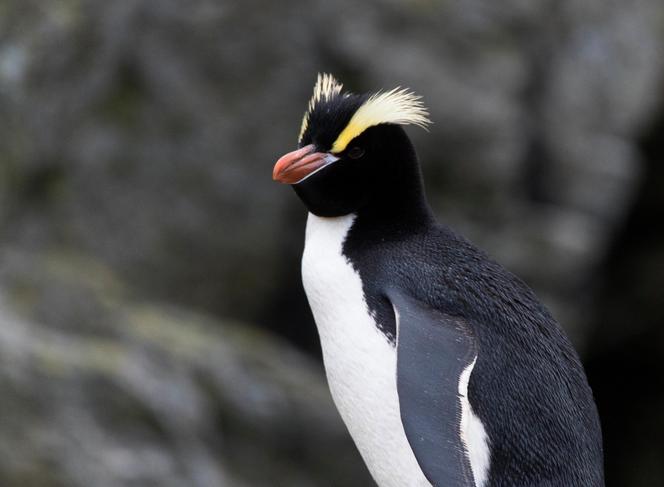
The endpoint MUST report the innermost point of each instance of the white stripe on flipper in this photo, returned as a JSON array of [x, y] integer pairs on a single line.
[[473, 434]]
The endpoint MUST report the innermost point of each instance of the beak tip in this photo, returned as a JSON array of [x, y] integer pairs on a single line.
[[286, 169]]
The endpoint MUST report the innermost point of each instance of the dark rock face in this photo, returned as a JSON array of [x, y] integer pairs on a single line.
[[139, 137], [628, 338], [144, 132]]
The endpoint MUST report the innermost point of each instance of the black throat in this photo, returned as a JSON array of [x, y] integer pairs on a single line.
[[397, 203]]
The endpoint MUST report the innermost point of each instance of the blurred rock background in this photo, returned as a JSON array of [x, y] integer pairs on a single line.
[[153, 329]]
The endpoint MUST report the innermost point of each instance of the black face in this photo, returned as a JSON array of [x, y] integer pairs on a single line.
[[375, 167], [364, 173]]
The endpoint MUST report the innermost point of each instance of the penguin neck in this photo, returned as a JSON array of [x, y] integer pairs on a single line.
[[399, 203]]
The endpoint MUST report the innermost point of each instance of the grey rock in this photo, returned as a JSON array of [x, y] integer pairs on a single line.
[[151, 394]]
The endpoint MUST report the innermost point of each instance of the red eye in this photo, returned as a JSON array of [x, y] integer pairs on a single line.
[[356, 152]]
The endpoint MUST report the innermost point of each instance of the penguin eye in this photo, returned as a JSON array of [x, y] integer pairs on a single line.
[[356, 152]]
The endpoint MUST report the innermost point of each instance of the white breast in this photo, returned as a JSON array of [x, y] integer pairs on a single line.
[[359, 361]]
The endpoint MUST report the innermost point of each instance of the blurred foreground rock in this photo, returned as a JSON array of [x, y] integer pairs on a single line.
[[100, 391]]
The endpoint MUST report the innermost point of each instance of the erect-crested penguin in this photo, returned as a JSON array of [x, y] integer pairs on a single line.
[[445, 367]]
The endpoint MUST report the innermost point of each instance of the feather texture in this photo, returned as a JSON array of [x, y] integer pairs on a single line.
[[326, 88]]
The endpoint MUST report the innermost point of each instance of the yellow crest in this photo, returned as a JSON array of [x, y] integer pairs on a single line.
[[399, 106]]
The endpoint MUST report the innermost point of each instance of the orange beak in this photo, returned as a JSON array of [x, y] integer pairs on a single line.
[[298, 165]]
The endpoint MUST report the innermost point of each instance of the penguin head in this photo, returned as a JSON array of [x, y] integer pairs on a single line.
[[352, 147]]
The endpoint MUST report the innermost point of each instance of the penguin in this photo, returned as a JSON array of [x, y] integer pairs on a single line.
[[444, 366]]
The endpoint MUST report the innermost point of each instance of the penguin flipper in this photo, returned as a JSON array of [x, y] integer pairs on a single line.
[[433, 350]]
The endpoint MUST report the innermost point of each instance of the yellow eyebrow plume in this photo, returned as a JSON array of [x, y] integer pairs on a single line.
[[398, 106]]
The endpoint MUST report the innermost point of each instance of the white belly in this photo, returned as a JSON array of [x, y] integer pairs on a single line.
[[360, 363]]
